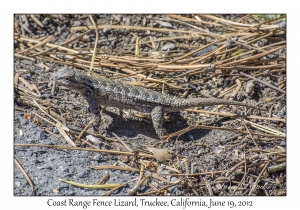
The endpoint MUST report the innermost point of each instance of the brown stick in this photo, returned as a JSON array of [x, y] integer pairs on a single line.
[[236, 115], [25, 174], [86, 149], [115, 168], [263, 82]]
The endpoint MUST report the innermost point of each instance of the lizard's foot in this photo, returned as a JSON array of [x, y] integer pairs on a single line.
[[96, 123], [162, 133]]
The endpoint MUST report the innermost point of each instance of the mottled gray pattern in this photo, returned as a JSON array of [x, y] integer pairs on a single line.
[[101, 91]]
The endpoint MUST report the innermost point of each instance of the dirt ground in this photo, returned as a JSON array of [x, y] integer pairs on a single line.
[[217, 156]]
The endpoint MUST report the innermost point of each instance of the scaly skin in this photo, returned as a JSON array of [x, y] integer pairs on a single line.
[[101, 91]]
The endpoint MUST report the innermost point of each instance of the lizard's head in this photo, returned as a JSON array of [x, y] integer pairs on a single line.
[[68, 78]]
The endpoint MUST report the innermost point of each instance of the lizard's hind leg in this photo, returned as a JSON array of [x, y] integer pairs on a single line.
[[157, 115]]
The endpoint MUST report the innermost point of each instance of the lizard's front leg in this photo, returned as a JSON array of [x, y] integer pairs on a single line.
[[157, 115], [94, 107]]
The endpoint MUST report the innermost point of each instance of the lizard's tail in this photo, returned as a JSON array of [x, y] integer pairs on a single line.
[[194, 102]]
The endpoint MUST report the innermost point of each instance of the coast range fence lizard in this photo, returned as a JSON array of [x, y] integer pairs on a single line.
[[101, 91]]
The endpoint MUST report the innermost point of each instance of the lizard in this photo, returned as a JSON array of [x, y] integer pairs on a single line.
[[102, 91]]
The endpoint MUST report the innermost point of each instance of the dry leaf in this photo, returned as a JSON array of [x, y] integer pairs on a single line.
[[27, 116], [123, 158], [160, 154], [151, 166], [265, 175], [268, 99], [55, 191]]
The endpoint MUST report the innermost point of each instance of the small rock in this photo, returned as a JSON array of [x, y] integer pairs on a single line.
[[174, 179], [18, 184], [216, 150], [106, 31], [127, 22], [76, 23], [93, 139], [168, 46], [86, 38], [164, 24], [97, 157], [201, 151], [47, 95]]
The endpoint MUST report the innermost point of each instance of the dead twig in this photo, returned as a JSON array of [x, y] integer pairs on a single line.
[[258, 178], [96, 42], [250, 134], [104, 178], [138, 183], [25, 174], [83, 130], [115, 168], [263, 82], [85, 149], [217, 128], [236, 115]]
